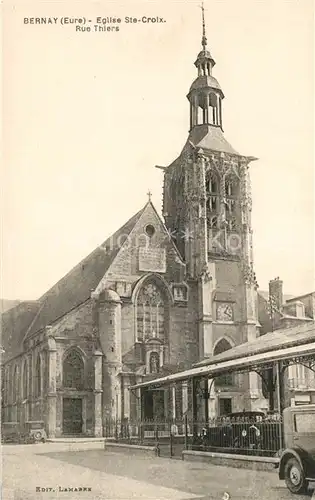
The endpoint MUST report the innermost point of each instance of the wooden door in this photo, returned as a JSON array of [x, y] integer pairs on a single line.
[[72, 416]]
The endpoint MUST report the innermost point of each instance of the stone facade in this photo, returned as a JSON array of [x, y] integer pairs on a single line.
[[156, 297]]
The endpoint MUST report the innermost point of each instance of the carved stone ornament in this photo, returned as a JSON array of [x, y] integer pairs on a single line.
[[201, 158], [150, 294], [205, 274], [249, 275]]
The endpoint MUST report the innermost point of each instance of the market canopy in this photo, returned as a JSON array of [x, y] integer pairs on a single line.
[[280, 345]]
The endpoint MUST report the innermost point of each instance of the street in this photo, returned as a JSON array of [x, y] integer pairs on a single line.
[[47, 471]]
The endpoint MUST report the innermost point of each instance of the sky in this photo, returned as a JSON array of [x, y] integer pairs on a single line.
[[87, 116]]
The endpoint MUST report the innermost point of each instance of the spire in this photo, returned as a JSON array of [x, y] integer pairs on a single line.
[[204, 56], [204, 38], [205, 94]]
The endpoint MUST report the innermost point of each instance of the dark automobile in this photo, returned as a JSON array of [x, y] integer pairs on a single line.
[[297, 461], [29, 432], [246, 432], [33, 432]]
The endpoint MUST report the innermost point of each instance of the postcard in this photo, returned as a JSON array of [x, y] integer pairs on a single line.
[[157, 297]]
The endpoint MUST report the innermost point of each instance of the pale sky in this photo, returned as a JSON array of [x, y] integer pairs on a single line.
[[88, 115]]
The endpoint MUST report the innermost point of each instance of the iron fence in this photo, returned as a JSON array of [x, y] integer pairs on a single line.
[[239, 436], [257, 436]]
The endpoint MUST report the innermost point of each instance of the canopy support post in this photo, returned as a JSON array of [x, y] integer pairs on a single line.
[[194, 407], [279, 400], [206, 396]]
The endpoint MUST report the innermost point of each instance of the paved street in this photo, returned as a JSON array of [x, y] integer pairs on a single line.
[[112, 476]]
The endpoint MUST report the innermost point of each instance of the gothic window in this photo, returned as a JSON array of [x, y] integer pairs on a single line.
[[73, 371], [38, 381], [212, 204], [226, 379], [231, 186], [154, 362], [15, 384], [230, 206], [213, 184], [25, 380], [6, 385], [150, 313]]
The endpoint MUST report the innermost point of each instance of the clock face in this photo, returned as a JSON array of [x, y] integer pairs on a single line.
[[224, 312]]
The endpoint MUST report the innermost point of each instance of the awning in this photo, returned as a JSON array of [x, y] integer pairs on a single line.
[[233, 365]]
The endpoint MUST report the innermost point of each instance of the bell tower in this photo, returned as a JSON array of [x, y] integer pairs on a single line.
[[207, 209], [205, 95]]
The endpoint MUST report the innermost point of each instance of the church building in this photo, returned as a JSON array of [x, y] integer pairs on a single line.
[[158, 296]]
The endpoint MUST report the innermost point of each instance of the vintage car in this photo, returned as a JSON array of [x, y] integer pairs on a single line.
[[297, 460], [33, 432], [249, 432], [10, 432]]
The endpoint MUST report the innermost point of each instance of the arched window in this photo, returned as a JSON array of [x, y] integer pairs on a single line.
[[226, 379], [6, 385], [73, 371], [25, 376], [150, 313], [231, 186], [213, 184], [230, 204], [154, 362], [15, 383], [38, 377]]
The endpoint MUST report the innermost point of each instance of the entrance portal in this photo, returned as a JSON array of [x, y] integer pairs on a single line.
[[153, 405], [72, 416]]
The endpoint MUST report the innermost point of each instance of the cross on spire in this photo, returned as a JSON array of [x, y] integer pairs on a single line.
[[204, 38], [149, 195]]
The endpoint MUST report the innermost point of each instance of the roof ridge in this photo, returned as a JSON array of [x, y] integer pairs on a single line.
[[76, 286], [81, 262]]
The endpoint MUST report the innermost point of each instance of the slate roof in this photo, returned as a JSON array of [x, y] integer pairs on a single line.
[[205, 81], [6, 304], [210, 137], [14, 324], [286, 337], [76, 286]]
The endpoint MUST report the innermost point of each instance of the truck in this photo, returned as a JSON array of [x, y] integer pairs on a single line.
[[297, 459]]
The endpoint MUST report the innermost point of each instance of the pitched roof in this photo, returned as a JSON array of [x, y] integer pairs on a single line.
[[76, 286], [286, 337], [6, 304], [14, 324], [209, 137]]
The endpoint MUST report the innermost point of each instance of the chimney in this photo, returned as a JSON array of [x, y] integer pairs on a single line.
[[276, 292]]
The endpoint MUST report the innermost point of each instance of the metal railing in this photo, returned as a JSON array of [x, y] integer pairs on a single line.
[[257, 436]]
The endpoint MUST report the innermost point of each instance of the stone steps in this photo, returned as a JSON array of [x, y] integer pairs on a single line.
[[74, 439]]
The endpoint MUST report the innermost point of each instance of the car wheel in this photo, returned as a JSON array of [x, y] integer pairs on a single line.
[[294, 476]]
